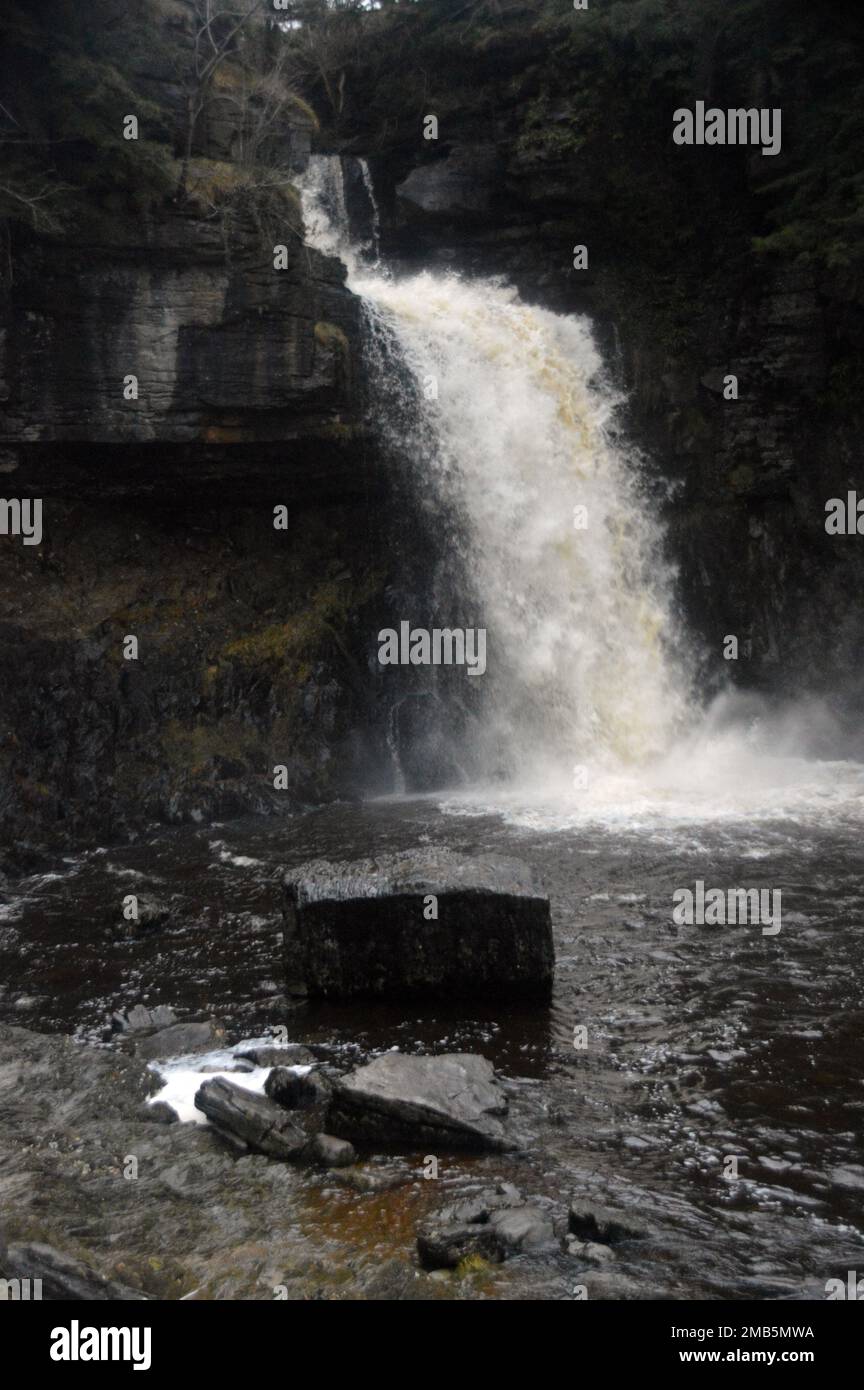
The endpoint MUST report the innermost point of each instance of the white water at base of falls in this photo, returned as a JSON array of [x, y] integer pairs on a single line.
[[590, 711]]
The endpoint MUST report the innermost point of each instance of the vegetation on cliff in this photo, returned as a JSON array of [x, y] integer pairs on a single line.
[[589, 90], [207, 83], [596, 89]]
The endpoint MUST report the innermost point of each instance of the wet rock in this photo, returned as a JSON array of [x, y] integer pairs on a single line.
[[363, 928], [463, 181], [139, 1019], [599, 1225], [447, 1246], [589, 1252], [307, 1097], [152, 915], [523, 1228], [284, 1087], [453, 1101], [255, 1120], [231, 326], [63, 1278], [179, 1039], [368, 1181], [608, 1286], [851, 1177], [493, 1225], [293, 1055], [160, 1112], [197, 1218], [241, 1067], [332, 1152], [236, 1146]]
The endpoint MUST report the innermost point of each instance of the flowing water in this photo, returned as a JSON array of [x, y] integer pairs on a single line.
[[703, 1043]]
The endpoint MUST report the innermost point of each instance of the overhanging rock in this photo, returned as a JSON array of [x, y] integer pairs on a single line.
[[425, 924]]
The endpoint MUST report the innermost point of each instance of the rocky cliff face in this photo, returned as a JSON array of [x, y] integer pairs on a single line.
[[224, 348], [192, 420]]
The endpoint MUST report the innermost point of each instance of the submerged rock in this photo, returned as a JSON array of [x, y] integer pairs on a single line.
[[493, 1225], [430, 923], [255, 1120], [196, 1224], [453, 1101]]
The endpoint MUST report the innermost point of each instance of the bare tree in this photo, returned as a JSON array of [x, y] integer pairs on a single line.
[[35, 202], [326, 41], [261, 99], [217, 26], [28, 194]]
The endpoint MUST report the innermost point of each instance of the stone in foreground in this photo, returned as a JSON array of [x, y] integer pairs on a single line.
[[599, 1225], [453, 1101], [61, 1277], [493, 1225], [333, 1153], [251, 1119], [367, 928]]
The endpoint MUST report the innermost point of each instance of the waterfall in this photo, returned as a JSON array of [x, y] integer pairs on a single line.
[[502, 418], [546, 512]]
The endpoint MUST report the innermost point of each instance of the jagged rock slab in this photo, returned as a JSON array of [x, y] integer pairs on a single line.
[[255, 1120], [453, 1101], [364, 928]]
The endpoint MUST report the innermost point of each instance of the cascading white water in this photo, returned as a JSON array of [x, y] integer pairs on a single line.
[[585, 662], [576, 618], [577, 615]]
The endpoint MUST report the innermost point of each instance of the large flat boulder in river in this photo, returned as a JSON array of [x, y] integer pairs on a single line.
[[430, 923], [453, 1101]]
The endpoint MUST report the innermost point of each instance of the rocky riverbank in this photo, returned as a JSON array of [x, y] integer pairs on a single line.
[[698, 1041], [112, 1198]]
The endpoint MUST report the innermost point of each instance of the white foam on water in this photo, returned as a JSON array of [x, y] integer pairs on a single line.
[[182, 1076]]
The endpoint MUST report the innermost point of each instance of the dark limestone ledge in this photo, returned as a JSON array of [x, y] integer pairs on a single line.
[[225, 348]]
